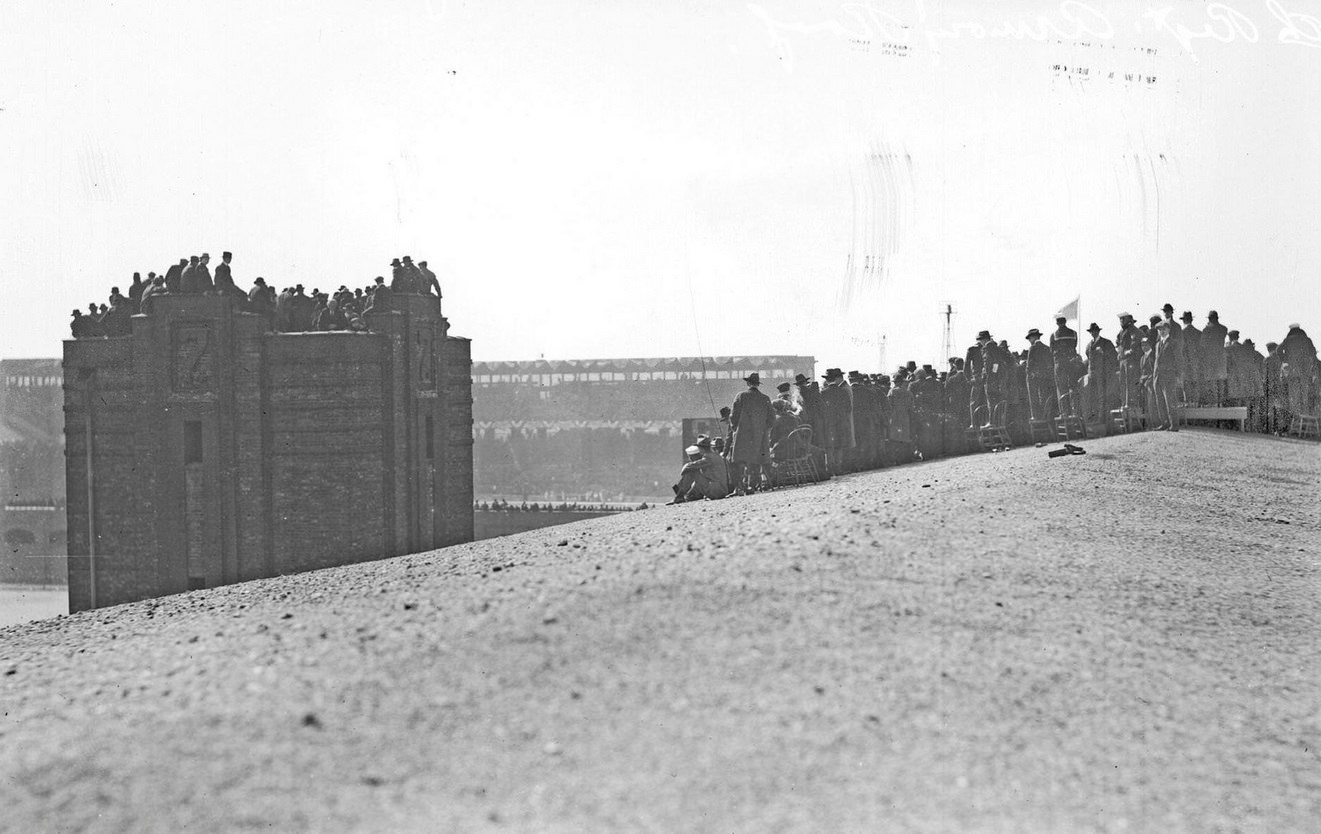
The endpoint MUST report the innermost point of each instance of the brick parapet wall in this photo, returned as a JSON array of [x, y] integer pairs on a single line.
[[313, 448]]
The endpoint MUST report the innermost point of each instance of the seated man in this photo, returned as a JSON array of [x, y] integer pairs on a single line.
[[705, 475]]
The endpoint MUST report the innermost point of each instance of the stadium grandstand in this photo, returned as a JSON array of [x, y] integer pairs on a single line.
[[600, 429], [32, 471]]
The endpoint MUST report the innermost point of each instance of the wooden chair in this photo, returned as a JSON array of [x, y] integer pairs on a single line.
[[1305, 425], [993, 435], [801, 468]]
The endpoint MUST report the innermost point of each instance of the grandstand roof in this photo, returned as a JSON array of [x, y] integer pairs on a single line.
[[689, 364]]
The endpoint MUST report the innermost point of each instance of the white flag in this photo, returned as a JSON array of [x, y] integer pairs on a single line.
[[1070, 310]]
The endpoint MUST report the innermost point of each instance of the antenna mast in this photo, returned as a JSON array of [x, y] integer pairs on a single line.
[[880, 369], [948, 345]]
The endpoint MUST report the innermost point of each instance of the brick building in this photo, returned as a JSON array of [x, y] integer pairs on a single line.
[[205, 449]]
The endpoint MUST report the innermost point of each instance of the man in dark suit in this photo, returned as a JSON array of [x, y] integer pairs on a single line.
[[1101, 362], [1040, 377], [837, 421], [1215, 370], [1191, 342], [751, 418], [1064, 350]]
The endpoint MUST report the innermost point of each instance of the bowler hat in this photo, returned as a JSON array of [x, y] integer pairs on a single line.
[[1031, 333], [1169, 308], [1213, 315], [1154, 319], [783, 387]]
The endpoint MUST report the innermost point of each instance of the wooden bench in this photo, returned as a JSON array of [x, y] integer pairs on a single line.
[[1214, 414]]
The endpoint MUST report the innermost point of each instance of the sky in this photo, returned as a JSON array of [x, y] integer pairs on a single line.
[[621, 179]]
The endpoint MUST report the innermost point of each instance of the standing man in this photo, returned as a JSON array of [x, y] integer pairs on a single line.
[[136, 289], [203, 274], [1273, 388], [224, 278], [972, 369], [1165, 376], [1040, 377], [837, 420], [751, 419], [188, 278], [1129, 348], [399, 278], [429, 284], [1192, 359], [1101, 360], [996, 367], [1064, 350], [1215, 373], [174, 277], [810, 396], [1297, 362]]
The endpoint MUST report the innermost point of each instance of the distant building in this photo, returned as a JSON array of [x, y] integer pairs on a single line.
[[204, 449], [32, 523], [600, 429]]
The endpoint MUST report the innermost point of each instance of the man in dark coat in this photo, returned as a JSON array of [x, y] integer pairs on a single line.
[[972, 371], [136, 289], [1165, 376], [865, 441], [810, 395], [1128, 346], [400, 281], [1238, 367], [837, 421], [928, 403], [83, 327], [1191, 343], [996, 367], [202, 275], [149, 296], [1040, 377], [1273, 389], [188, 282], [1215, 371], [1101, 362], [174, 277], [956, 408], [1297, 363], [225, 279], [750, 418], [1064, 351]]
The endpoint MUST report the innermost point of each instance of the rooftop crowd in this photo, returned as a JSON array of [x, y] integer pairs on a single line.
[[1140, 380], [291, 310]]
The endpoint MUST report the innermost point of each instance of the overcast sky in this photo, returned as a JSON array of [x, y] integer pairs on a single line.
[[595, 179]]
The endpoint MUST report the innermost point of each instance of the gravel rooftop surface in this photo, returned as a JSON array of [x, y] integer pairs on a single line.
[[1127, 640]]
